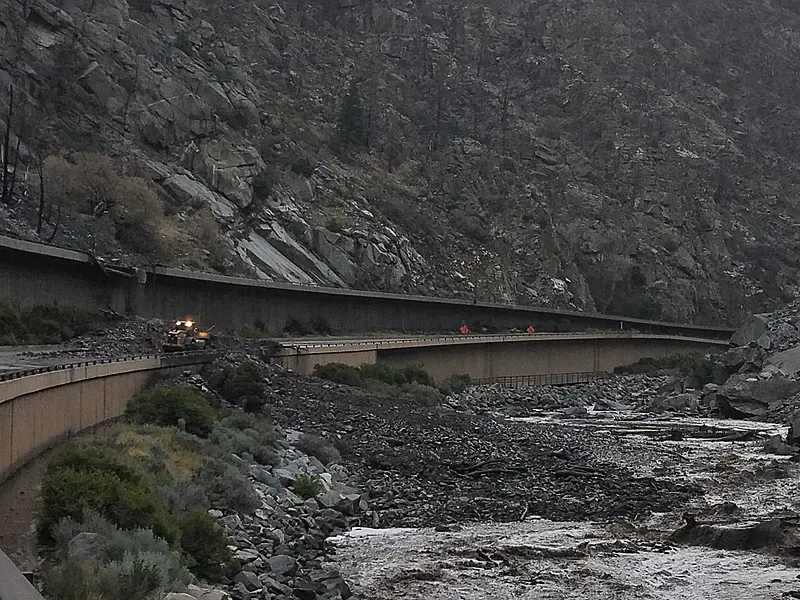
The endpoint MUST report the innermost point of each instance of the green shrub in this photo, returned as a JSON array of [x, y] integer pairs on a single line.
[[422, 394], [244, 385], [360, 376], [396, 375], [12, 325], [456, 384], [169, 405], [320, 326], [417, 374], [253, 332], [306, 486], [227, 486], [317, 446], [264, 183], [89, 457], [367, 375], [383, 373], [339, 373], [295, 327], [204, 545], [67, 492]]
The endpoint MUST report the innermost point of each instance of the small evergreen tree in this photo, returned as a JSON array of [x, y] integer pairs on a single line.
[[352, 129]]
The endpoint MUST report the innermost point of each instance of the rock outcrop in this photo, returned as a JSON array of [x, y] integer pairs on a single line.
[[494, 153]]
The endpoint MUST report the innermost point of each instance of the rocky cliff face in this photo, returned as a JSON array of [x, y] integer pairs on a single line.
[[605, 155]]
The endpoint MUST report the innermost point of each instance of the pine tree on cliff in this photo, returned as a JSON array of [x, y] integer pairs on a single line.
[[352, 128]]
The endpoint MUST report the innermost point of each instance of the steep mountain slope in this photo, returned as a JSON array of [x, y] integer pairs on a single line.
[[609, 155]]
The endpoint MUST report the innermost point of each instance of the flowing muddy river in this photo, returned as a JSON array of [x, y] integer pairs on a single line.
[[630, 559]]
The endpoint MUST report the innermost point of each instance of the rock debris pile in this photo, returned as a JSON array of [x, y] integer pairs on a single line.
[[628, 392], [281, 544], [426, 465]]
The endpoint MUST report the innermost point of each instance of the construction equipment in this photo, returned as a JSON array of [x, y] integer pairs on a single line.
[[185, 336]]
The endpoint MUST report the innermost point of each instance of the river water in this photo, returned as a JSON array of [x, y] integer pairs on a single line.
[[542, 560]]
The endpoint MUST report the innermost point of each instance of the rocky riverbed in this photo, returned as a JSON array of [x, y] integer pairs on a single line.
[[476, 498], [719, 520]]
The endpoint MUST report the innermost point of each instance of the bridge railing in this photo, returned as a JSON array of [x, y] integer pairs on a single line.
[[517, 381], [18, 373], [455, 338]]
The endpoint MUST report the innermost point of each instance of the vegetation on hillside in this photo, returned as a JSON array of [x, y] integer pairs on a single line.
[[40, 324], [146, 493], [698, 368], [381, 378]]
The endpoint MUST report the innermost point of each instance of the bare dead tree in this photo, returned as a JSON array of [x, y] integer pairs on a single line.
[[57, 223], [40, 211], [13, 176], [131, 94], [5, 197]]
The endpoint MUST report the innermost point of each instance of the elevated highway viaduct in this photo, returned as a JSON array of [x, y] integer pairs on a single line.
[[531, 358]]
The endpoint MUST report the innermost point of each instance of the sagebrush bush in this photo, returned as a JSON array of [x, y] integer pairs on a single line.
[[424, 395], [306, 486], [204, 545], [127, 545], [171, 406], [77, 580], [255, 443], [317, 446], [183, 496], [226, 486]]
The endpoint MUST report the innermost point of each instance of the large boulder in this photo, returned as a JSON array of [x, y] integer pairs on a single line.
[[742, 359], [745, 396], [793, 437], [787, 362], [678, 403], [776, 445], [87, 546], [753, 329]]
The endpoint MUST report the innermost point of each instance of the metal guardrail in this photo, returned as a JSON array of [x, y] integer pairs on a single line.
[[101, 361], [499, 338], [544, 379]]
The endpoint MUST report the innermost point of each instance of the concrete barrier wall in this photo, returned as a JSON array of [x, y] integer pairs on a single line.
[[35, 274], [38, 411]]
